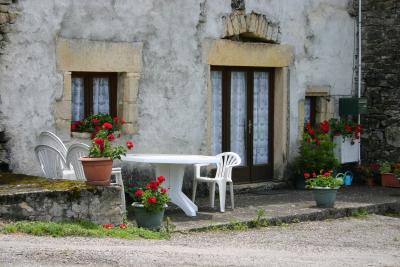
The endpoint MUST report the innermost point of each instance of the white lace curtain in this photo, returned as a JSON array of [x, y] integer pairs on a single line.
[[216, 83], [78, 106], [100, 97], [238, 114], [260, 118]]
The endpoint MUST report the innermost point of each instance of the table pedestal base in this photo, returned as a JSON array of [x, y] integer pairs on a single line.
[[173, 174]]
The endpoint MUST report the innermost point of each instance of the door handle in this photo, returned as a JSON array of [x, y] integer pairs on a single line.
[[250, 127]]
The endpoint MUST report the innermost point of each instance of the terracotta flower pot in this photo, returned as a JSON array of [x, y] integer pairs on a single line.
[[389, 180], [97, 170], [370, 181]]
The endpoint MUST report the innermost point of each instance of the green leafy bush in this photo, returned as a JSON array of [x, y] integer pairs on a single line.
[[315, 151]]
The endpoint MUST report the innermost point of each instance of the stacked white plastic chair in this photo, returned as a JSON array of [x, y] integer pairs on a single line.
[[222, 177], [75, 151], [51, 161], [52, 140]]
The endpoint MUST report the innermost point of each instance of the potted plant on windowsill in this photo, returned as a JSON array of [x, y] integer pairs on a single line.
[[324, 187], [315, 153], [150, 203], [88, 127], [98, 165], [346, 135]]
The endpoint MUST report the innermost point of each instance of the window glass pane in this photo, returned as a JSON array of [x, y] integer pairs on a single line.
[[216, 85], [238, 114], [101, 100], [260, 118], [307, 110], [78, 112]]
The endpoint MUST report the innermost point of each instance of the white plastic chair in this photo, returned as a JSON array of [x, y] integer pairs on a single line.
[[49, 159], [222, 176], [51, 139], [75, 151]]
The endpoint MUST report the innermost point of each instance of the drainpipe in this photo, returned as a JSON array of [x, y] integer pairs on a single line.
[[359, 69]]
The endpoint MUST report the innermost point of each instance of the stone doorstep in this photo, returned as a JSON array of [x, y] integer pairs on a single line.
[[322, 214], [250, 187]]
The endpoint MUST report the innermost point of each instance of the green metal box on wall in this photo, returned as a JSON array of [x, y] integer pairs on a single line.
[[352, 106]]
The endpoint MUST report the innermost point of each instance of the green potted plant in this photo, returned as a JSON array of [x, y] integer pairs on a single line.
[[98, 165], [389, 173], [150, 203], [367, 173], [315, 153], [324, 187], [88, 127]]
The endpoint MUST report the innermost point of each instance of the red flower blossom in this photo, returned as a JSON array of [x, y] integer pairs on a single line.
[[139, 193], [107, 125], [95, 121], [97, 128], [310, 131], [317, 142], [107, 225], [151, 200], [160, 179], [324, 126], [327, 174], [110, 137], [73, 126], [348, 128], [306, 175], [115, 119], [122, 226], [163, 190], [130, 144], [153, 185], [313, 174], [99, 141]]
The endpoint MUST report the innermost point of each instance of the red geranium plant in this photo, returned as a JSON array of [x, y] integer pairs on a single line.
[[93, 123], [102, 147], [153, 196], [346, 128]]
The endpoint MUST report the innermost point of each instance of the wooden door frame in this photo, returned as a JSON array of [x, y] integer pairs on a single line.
[[226, 95]]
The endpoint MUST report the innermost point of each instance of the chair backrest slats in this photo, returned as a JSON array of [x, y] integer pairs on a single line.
[[50, 139], [75, 151], [227, 162], [51, 161]]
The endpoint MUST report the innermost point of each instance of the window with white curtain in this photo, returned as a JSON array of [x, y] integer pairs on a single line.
[[93, 93]]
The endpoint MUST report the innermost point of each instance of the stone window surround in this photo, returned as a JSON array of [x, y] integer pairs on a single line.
[[324, 105], [230, 53], [84, 55]]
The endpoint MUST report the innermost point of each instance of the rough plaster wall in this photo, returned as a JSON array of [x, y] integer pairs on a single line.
[[172, 92]]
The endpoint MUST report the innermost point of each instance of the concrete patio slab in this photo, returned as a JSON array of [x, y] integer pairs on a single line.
[[287, 206]]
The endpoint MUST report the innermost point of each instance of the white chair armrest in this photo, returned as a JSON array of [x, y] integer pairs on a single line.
[[197, 168]]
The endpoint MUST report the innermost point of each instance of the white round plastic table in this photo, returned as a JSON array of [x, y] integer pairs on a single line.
[[172, 167]]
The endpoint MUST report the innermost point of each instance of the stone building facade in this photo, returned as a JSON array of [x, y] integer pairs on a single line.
[[381, 79], [166, 55]]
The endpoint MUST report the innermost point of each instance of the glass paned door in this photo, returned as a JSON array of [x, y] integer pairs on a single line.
[[243, 97]]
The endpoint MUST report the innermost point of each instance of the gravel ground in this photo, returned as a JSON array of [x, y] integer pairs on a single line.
[[371, 241]]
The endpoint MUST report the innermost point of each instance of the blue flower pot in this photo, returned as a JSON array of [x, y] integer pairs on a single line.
[[325, 197], [146, 219]]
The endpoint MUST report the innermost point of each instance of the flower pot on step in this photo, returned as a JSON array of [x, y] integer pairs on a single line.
[[325, 197], [97, 170], [389, 180], [147, 219], [370, 181]]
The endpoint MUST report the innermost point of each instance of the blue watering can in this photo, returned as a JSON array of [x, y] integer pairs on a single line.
[[347, 177]]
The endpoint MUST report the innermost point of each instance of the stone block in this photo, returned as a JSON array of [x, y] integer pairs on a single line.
[[63, 110], [5, 2], [3, 18]]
